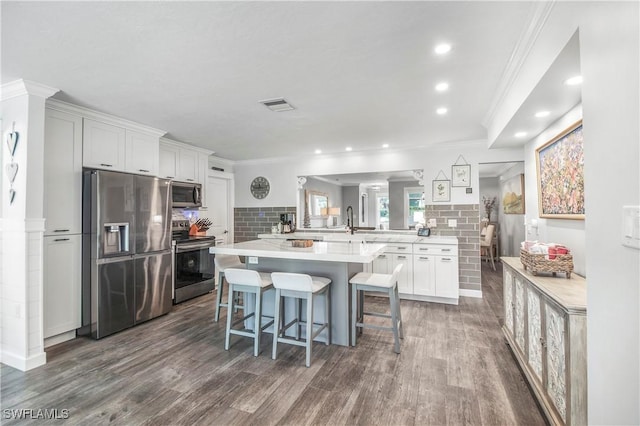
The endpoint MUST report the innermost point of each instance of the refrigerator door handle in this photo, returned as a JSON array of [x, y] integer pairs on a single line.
[[105, 260], [196, 195]]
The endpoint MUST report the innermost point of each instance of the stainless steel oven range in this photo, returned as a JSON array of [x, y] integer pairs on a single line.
[[193, 264]]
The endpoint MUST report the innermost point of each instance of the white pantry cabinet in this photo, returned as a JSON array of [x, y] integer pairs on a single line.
[[110, 147], [546, 328], [62, 284], [62, 173]]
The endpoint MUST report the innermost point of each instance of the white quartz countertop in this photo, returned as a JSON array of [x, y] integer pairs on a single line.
[[356, 252], [370, 238]]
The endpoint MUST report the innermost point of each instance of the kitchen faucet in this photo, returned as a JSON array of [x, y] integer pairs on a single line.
[[350, 219]]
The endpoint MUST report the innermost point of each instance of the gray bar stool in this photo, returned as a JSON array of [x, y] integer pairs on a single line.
[[380, 283], [247, 281], [222, 262], [301, 287]]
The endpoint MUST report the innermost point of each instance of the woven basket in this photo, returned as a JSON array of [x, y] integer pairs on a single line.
[[539, 263], [301, 243]]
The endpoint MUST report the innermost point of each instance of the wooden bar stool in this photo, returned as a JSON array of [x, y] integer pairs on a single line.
[[380, 283], [247, 281], [301, 287], [222, 262]]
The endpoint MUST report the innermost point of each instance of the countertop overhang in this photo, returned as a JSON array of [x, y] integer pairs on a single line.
[[387, 237], [355, 252]]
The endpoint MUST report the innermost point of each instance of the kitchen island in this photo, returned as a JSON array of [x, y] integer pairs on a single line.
[[337, 261]]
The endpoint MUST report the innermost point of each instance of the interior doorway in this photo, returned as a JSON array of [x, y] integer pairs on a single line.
[[502, 204]]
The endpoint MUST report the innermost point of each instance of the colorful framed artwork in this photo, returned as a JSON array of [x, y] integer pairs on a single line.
[[441, 190], [560, 172], [513, 195], [461, 175]]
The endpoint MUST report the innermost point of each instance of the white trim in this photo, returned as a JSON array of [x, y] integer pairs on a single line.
[[471, 293], [435, 299], [59, 338], [25, 87], [528, 37], [9, 225], [22, 363], [221, 175], [102, 117]]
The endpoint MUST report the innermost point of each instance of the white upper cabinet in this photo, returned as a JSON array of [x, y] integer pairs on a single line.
[[62, 173], [182, 162], [142, 153], [104, 146], [111, 147]]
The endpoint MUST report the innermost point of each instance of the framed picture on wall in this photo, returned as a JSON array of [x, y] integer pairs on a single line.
[[513, 195], [461, 175], [441, 190], [560, 173]]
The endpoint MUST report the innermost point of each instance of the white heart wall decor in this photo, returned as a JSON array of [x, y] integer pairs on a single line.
[[12, 142], [12, 195], [12, 171]]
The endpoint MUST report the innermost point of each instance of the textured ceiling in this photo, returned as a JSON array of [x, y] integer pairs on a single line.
[[360, 74]]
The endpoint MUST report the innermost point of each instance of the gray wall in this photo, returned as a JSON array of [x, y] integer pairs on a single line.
[[350, 197], [489, 188]]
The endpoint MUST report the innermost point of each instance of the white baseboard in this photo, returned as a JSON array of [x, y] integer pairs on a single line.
[[54, 340], [21, 363], [471, 293]]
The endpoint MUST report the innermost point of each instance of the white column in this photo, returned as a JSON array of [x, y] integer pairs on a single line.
[[22, 225]]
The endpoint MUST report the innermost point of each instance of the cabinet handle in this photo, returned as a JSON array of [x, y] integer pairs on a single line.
[[423, 249], [106, 165], [446, 259], [383, 256], [189, 180], [143, 170], [170, 177], [60, 230], [402, 248], [423, 258], [61, 239], [402, 257], [446, 249]]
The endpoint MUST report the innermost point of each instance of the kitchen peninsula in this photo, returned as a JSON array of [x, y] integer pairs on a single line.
[[337, 261]]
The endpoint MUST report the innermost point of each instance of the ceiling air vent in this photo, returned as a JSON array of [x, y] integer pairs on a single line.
[[277, 105]]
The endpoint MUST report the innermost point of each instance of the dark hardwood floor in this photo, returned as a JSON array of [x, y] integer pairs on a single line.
[[455, 368]]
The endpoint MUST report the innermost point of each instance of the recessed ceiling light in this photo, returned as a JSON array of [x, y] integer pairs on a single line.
[[348, 148], [541, 114], [441, 87], [318, 151], [443, 48], [573, 81], [441, 111], [520, 134], [385, 145]]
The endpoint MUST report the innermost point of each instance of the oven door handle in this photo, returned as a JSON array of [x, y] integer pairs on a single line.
[[185, 247]]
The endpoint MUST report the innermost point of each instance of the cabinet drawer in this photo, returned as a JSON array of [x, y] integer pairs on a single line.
[[435, 249], [398, 248]]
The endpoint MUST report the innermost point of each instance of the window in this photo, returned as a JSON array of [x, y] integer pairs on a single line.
[[382, 211], [414, 206]]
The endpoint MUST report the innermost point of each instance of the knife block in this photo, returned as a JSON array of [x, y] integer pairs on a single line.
[[195, 232]]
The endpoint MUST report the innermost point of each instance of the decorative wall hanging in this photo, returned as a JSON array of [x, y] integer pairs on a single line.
[[441, 188], [12, 168], [513, 195], [461, 173], [560, 171]]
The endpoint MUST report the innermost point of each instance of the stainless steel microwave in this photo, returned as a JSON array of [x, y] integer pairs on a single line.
[[186, 194]]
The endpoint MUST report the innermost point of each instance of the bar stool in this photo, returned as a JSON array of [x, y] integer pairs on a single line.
[[301, 287], [222, 262], [247, 281], [380, 283]]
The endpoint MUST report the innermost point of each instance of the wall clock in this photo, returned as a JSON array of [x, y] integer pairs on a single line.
[[260, 187]]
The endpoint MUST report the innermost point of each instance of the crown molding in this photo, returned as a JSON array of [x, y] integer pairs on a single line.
[[183, 145], [102, 117], [25, 87], [528, 37]]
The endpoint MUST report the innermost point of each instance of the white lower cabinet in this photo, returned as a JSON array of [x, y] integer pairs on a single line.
[[62, 284], [435, 271], [546, 327], [405, 278], [382, 264]]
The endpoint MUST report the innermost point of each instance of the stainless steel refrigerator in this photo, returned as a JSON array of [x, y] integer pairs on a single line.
[[126, 261]]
